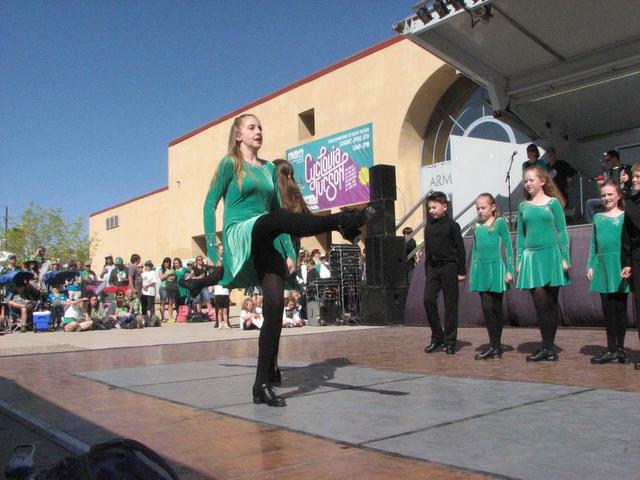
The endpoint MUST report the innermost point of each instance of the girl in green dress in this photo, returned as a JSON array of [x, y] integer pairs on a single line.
[[490, 276], [542, 254], [255, 233], [603, 269]]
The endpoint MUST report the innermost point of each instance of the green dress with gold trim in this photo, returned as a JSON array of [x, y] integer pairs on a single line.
[[604, 255], [488, 268], [243, 205], [542, 244]]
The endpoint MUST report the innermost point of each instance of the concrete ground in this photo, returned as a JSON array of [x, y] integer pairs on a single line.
[[362, 402]]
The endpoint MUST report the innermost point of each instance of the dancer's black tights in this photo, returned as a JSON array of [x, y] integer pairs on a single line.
[[614, 308], [492, 311], [545, 300], [271, 269]]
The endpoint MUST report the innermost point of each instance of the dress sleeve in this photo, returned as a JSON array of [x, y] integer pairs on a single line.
[[592, 247], [503, 231], [561, 228], [283, 241], [520, 237], [218, 189]]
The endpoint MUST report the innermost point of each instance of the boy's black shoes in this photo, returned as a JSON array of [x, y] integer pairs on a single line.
[[434, 347], [543, 356], [490, 353], [450, 349], [637, 366], [265, 394]]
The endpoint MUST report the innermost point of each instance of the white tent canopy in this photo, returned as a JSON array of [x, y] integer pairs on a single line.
[[560, 69]]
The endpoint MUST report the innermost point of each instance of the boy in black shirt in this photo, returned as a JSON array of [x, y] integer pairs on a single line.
[[445, 266]]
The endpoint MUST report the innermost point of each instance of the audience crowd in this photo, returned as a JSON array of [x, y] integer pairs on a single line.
[[136, 294]]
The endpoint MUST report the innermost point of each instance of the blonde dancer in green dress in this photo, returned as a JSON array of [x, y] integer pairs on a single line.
[[255, 234], [542, 254], [603, 269], [489, 275]]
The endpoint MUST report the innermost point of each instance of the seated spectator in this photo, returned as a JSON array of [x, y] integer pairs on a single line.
[[19, 301], [291, 315], [295, 294], [58, 301], [97, 314], [250, 316], [76, 318], [119, 311], [135, 308]]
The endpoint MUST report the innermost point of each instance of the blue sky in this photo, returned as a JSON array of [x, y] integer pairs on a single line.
[[92, 92]]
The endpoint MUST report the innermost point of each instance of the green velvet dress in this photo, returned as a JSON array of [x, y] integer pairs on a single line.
[[604, 255], [242, 207], [488, 268], [542, 244]]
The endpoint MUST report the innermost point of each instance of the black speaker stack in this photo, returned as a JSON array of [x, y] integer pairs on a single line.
[[346, 266], [385, 292]]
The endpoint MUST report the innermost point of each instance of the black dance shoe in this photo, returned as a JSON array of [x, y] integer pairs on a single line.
[[352, 220], [543, 356], [265, 394], [450, 349], [434, 347], [490, 353], [276, 377], [637, 366], [605, 357]]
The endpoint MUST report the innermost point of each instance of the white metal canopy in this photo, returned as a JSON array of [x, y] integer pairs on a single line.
[[562, 68]]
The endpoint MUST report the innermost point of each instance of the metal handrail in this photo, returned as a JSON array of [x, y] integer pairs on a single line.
[[413, 209]]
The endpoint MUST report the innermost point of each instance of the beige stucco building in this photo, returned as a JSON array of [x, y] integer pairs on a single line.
[[395, 85]]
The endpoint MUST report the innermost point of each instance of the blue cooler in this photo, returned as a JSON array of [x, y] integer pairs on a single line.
[[41, 321]]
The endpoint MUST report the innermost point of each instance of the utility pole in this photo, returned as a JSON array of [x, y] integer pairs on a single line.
[[6, 227]]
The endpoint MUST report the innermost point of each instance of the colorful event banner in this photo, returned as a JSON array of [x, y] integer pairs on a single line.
[[334, 171]]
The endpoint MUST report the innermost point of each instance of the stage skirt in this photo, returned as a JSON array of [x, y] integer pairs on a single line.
[[542, 267]]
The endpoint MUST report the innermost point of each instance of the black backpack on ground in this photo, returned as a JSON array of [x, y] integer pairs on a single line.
[[119, 459], [153, 321], [197, 317]]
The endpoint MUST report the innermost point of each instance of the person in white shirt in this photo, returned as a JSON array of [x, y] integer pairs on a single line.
[[106, 270], [150, 284]]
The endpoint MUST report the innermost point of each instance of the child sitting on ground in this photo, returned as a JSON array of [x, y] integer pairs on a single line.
[[250, 316], [291, 315], [75, 317]]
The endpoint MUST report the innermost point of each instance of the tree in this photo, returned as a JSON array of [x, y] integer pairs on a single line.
[[46, 226]]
